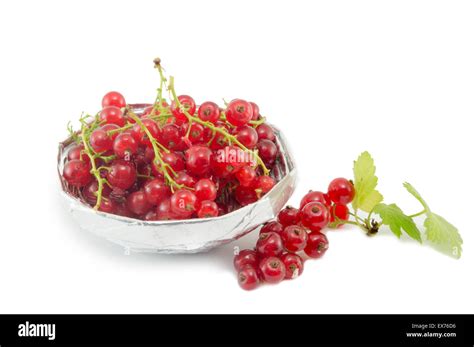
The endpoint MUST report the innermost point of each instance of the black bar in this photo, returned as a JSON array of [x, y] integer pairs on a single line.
[[447, 330]]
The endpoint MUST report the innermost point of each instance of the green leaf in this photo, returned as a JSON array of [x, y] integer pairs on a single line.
[[417, 195], [365, 183], [443, 234], [394, 217]]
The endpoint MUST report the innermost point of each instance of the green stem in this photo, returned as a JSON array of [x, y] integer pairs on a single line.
[[417, 214]]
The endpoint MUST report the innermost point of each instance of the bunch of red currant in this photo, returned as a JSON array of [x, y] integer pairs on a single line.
[[171, 161], [296, 233]]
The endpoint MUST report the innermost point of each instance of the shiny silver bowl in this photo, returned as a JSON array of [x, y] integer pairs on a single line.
[[184, 236]]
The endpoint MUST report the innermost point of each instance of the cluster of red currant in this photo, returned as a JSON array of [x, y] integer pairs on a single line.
[[275, 256], [173, 161]]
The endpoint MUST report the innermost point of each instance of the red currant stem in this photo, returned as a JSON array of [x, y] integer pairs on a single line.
[[147, 132], [417, 214], [356, 217], [119, 130], [256, 123], [94, 170], [211, 126], [145, 176], [104, 168], [158, 159]]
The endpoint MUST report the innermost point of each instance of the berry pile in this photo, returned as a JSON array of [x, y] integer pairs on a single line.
[[296, 235], [174, 160]]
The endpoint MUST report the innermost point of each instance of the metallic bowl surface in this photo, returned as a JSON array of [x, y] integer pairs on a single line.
[[184, 236]]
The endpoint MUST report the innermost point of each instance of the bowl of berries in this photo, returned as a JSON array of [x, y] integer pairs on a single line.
[[174, 176]]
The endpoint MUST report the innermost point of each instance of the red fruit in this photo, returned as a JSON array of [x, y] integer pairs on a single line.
[[90, 192], [218, 140], [195, 134], [245, 195], [174, 160], [247, 136], [272, 270], [163, 210], [238, 112], [141, 136], [183, 203], [248, 278], [244, 258], [78, 152], [341, 191], [268, 151], [263, 184], [205, 189], [112, 115], [187, 103], [125, 146], [246, 176], [294, 238], [77, 173], [113, 99], [315, 216], [255, 110], [156, 190], [150, 216], [312, 196], [138, 203], [229, 160], [122, 174], [100, 140], [108, 206], [185, 179], [198, 160], [316, 245], [340, 211], [209, 112], [170, 136], [269, 245], [273, 226], [265, 132], [294, 265], [289, 216], [208, 209]]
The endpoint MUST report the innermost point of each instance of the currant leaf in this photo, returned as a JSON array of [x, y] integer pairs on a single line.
[[365, 183], [443, 234], [394, 217]]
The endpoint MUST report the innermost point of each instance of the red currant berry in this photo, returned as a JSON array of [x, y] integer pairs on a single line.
[[112, 115], [246, 176], [205, 189], [122, 174], [294, 238], [289, 216], [272, 270], [268, 151], [208, 209], [198, 160], [183, 203], [245, 195], [313, 196], [255, 110], [77, 173], [294, 265], [138, 203], [269, 244], [315, 216], [196, 133], [238, 112], [90, 192], [113, 99], [263, 184], [209, 112], [341, 191], [316, 245], [102, 141], [163, 210], [170, 136], [174, 160], [150, 216], [247, 136], [78, 152], [248, 278], [339, 212], [141, 136], [265, 132], [244, 258], [273, 226], [108, 206], [156, 190], [187, 103], [125, 146], [185, 179]]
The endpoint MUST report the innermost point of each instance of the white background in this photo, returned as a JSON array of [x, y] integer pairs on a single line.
[[340, 77]]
